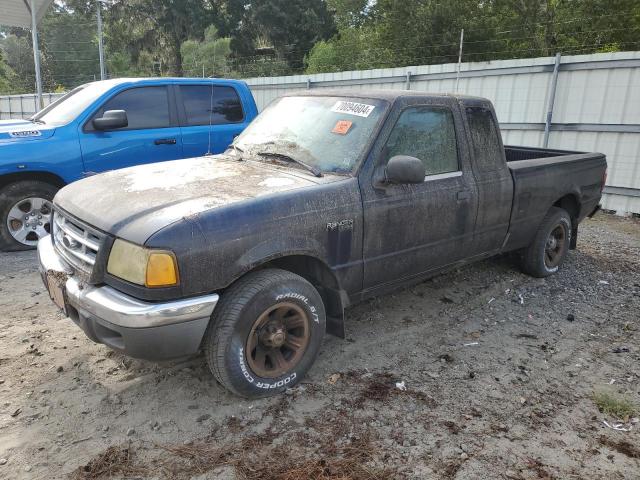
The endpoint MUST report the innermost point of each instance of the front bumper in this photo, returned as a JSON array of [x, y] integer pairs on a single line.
[[153, 331]]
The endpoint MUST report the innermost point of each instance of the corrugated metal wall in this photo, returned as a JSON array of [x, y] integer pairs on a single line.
[[597, 104]]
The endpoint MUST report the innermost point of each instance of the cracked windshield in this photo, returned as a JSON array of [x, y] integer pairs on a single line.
[[322, 134]]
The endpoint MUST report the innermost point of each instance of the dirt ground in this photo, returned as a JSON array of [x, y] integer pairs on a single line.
[[500, 372]]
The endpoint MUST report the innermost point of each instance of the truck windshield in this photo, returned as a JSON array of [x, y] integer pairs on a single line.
[[67, 108], [328, 134]]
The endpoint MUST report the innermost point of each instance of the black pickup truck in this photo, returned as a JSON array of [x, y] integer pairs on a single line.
[[324, 200]]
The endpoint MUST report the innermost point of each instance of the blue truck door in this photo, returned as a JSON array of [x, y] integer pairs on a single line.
[[152, 135], [211, 116]]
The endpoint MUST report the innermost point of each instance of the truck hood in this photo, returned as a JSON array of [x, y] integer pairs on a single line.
[[24, 130], [134, 203]]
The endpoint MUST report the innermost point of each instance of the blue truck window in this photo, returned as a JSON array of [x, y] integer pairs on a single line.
[[224, 105], [426, 133], [146, 107]]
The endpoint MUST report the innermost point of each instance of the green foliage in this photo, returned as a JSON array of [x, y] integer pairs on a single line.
[[208, 58], [614, 404], [7, 75], [69, 48], [389, 33], [19, 59], [287, 29]]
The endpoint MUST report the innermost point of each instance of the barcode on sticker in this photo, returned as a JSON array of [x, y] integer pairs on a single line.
[[353, 108]]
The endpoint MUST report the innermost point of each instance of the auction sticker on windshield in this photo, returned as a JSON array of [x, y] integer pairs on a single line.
[[353, 108], [342, 127]]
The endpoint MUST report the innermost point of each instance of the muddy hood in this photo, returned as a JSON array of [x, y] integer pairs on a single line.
[[134, 203]]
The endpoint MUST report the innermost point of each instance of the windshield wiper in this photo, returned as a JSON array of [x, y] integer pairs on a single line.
[[315, 170], [37, 120]]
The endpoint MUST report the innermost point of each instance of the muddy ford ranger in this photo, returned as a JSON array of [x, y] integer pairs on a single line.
[[324, 200]]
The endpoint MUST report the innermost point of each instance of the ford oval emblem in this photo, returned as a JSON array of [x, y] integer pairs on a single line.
[[70, 243]]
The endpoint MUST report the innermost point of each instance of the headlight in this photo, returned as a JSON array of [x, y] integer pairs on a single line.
[[142, 266]]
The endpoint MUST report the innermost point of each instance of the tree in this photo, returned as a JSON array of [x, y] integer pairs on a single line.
[[159, 27], [287, 29], [7, 76], [208, 57], [69, 46]]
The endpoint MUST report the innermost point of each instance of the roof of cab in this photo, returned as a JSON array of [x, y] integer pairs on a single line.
[[389, 95], [159, 80]]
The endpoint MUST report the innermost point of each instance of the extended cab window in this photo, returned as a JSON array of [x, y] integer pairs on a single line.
[[427, 133], [200, 102], [146, 107], [487, 150]]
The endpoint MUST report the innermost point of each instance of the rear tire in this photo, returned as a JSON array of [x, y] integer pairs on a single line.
[[19, 200], [265, 333], [550, 246]]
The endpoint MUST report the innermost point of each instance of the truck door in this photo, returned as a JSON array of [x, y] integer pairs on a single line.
[[493, 178], [151, 136], [410, 230], [211, 116]]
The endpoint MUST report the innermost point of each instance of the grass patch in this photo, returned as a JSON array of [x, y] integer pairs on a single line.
[[614, 404]]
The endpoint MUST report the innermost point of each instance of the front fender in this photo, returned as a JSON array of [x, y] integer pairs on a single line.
[[273, 249]]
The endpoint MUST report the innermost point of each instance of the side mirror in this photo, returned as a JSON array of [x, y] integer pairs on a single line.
[[405, 169], [111, 120]]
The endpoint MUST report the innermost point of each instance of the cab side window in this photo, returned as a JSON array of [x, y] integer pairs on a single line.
[[487, 150], [427, 133], [146, 107], [207, 103]]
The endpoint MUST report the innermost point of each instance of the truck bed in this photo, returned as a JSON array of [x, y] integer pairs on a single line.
[[515, 154], [542, 177]]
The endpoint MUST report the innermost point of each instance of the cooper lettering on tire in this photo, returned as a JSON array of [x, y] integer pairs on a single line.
[[265, 333]]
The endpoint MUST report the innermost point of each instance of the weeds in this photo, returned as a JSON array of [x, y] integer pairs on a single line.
[[616, 405]]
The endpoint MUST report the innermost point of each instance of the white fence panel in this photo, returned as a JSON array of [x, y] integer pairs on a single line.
[[23, 106]]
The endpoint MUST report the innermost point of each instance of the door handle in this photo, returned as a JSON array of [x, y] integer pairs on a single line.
[[165, 141], [464, 195]]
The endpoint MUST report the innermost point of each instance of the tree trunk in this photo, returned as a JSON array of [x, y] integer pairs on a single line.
[[177, 54]]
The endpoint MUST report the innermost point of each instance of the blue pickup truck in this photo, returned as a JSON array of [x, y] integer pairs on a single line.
[[108, 125]]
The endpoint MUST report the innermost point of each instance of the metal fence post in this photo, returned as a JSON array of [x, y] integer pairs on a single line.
[[552, 100], [407, 83]]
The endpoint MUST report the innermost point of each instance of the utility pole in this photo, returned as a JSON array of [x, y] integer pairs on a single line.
[[552, 99], [459, 59], [103, 74], [36, 53]]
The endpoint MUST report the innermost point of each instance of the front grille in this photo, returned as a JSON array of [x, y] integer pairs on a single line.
[[77, 243]]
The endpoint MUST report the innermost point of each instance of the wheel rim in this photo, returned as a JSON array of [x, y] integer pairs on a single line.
[[555, 247], [29, 220], [278, 340]]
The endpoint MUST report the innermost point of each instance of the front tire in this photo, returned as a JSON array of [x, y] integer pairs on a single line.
[[550, 246], [265, 333], [25, 214]]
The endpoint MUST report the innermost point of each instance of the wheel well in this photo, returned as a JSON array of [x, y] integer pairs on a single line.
[[322, 278], [47, 177], [571, 205]]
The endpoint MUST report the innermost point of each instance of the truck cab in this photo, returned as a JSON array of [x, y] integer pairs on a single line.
[[104, 126]]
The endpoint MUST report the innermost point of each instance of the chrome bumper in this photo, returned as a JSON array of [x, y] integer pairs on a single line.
[[126, 323]]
